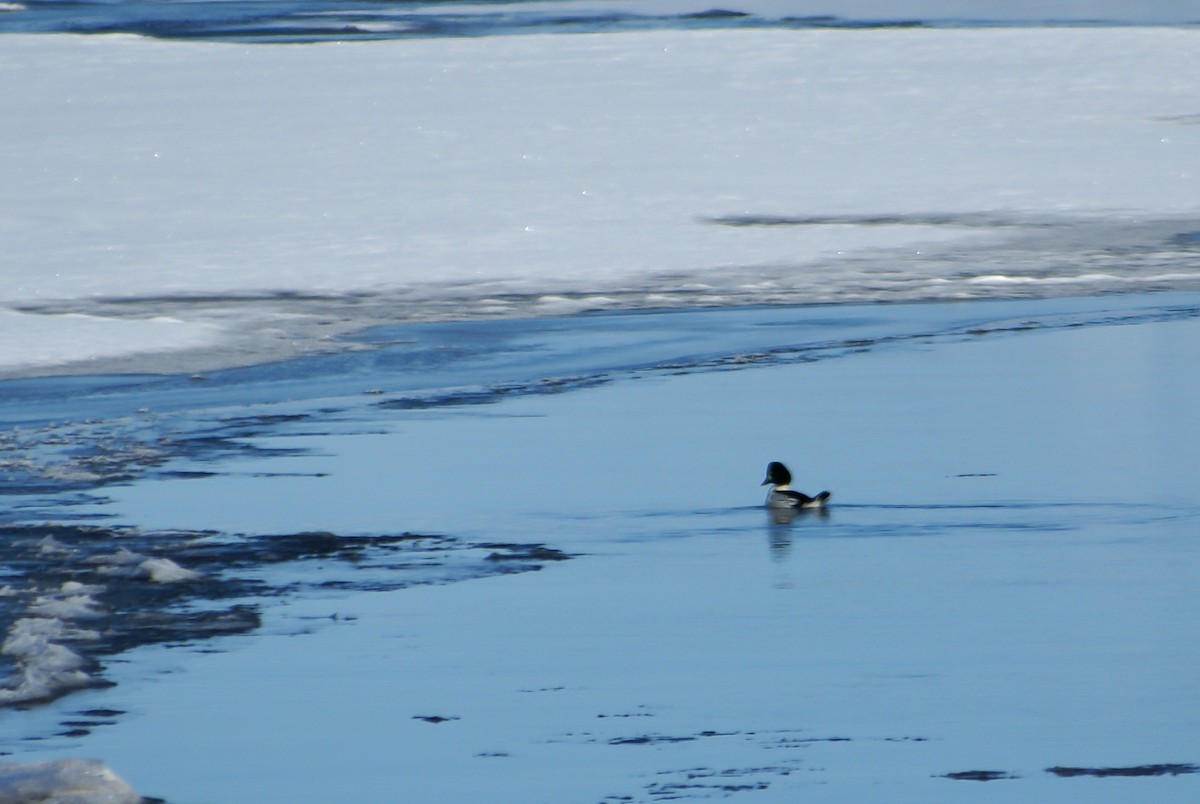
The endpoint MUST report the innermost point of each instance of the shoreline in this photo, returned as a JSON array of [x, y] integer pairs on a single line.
[[376, 336], [292, 334]]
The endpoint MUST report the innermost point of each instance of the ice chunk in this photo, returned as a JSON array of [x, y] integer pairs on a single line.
[[164, 570], [73, 601], [122, 557], [63, 781], [45, 668]]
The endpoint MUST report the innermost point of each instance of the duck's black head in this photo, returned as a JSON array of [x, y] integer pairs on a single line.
[[777, 475]]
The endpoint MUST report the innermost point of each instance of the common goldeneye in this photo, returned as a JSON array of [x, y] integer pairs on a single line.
[[780, 496]]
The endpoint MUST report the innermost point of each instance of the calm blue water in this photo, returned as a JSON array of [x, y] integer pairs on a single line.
[[985, 480], [339, 20]]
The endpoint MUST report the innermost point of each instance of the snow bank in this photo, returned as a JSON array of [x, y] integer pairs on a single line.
[[31, 340], [265, 190]]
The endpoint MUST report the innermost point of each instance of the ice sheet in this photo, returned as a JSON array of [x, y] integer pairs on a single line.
[[277, 195]]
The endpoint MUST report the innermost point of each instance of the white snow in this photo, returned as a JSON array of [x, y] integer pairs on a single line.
[[36, 340], [165, 196], [65, 781]]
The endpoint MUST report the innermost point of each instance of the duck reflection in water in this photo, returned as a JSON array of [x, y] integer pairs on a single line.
[[784, 505]]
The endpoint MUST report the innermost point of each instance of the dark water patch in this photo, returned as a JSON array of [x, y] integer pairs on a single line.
[[295, 21], [283, 21], [675, 790], [843, 23], [655, 739], [1170, 769], [323, 20], [63, 457], [1182, 119], [182, 474], [1186, 239], [523, 552], [705, 782], [649, 739], [436, 719], [979, 775], [76, 595], [715, 14], [982, 220], [790, 747], [81, 727], [492, 394], [784, 742]]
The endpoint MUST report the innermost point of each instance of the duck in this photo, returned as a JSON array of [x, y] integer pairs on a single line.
[[780, 496]]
